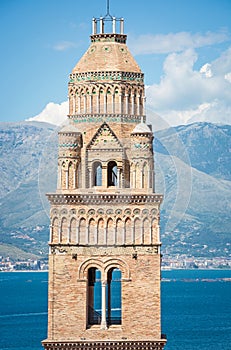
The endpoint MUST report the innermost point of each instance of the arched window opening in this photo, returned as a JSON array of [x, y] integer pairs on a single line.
[[97, 174], [94, 296], [112, 174], [114, 304]]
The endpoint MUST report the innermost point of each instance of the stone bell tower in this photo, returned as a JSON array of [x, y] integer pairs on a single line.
[[104, 259]]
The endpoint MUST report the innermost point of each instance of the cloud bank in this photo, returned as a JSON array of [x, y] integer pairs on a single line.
[[53, 113], [185, 94]]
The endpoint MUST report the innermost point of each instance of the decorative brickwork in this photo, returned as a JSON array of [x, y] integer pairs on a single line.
[[105, 212]]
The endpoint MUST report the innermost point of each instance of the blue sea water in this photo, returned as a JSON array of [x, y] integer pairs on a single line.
[[196, 314]]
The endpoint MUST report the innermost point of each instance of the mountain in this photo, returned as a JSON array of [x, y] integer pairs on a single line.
[[192, 165]]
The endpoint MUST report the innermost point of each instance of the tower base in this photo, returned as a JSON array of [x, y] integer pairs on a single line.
[[105, 345]]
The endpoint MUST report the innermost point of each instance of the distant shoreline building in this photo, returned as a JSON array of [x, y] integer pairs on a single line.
[[104, 259]]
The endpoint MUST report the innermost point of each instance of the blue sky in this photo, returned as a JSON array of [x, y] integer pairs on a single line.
[[183, 47]]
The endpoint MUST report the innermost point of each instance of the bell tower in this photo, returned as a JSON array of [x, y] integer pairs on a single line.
[[104, 258]]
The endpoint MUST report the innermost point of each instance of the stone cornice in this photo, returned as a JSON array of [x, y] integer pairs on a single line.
[[106, 76], [112, 118], [71, 198]]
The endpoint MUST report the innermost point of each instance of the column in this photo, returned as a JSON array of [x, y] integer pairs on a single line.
[[118, 178], [85, 104], [105, 103], [73, 104], [103, 317], [90, 179], [77, 234], [120, 104], [94, 26], [101, 25], [51, 230], [134, 179], [113, 104], [79, 104], [90, 103], [97, 111], [126, 103], [59, 182], [59, 238], [138, 104], [74, 182], [133, 111], [104, 176], [121, 26], [67, 178], [69, 234]]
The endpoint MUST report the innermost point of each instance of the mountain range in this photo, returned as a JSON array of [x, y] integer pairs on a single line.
[[192, 165]]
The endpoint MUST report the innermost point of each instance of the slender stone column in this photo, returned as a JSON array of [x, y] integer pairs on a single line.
[[69, 234], [138, 104], [79, 104], [104, 176], [101, 25], [103, 318], [67, 179], [90, 103], [126, 103], [120, 104], [97, 106], [74, 179], [59, 182], [85, 104], [90, 179], [77, 234], [59, 238], [133, 105], [51, 233], [73, 104], [118, 178], [105, 103], [113, 104]]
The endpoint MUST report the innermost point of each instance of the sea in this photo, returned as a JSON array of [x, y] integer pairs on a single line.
[[196, 309]]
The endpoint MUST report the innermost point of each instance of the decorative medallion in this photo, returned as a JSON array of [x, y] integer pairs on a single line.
[[82, 211]]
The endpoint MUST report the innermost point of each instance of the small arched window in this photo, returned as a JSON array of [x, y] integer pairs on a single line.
[[97, 174], [112, 174]]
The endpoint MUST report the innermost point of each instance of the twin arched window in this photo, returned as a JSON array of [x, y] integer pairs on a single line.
[[111, 174], [98, 310]]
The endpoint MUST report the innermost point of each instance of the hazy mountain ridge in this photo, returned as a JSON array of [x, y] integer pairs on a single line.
[[196, 210], [207, 146]]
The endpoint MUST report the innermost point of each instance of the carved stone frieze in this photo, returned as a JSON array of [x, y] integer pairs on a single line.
[[75, 250]]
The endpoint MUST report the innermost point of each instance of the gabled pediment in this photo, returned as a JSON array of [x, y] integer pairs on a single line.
[[104, 138]]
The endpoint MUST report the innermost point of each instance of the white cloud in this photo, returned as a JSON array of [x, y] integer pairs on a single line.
[[185, 94], [228, 77], [206, 70], [53, 113], [64, 45], [174, 42]]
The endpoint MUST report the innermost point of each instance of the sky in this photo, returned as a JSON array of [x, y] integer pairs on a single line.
[[183, 47]]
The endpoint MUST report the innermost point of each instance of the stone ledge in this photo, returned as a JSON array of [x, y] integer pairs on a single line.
[[55, 198], [104, 345]]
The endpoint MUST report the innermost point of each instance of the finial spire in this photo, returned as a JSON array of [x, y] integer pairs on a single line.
[[108, 10], [108, 5]]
